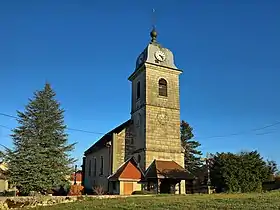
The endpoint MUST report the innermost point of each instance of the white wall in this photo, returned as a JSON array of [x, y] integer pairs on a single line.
[[99, 179]]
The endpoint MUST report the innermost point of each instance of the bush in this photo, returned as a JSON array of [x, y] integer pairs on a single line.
[[34, 193], [142, 192], [7, 193], [98, 190], [76, 190], [62, 191], [242, 172]]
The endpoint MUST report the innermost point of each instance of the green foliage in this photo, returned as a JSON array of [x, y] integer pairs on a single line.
[[7, 193], [40, 159], [243, 172], [2, 155], [192, 154], [272, 166]]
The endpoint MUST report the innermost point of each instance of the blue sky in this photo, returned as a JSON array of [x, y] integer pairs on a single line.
[[229, 52]]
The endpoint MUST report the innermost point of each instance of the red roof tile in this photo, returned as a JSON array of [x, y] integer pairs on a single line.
[[128, 170], [78, 176]]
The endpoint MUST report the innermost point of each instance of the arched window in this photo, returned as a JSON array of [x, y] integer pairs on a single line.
[[162, 87], [138, 90], [94, 167]]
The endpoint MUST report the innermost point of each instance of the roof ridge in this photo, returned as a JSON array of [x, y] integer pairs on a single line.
[[108, 134]]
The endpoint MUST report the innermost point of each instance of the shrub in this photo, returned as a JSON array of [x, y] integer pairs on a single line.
[[62, 191], [8, 193], [76, 190], [98, 190]]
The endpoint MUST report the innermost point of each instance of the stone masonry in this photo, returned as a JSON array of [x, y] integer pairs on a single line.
[[162, 133]]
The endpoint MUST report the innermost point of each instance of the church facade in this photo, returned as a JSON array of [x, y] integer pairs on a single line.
[[144, 152]]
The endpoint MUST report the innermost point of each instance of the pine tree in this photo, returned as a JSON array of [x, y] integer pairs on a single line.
[[40, 159], [192, 154], [2, 154]]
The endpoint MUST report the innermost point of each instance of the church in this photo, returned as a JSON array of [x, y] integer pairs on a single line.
[[145, 152]]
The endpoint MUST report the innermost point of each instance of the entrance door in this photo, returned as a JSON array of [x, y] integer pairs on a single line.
[[127, 188], [165, 186]]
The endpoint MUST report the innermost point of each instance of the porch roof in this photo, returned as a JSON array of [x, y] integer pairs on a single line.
[[163, 169]]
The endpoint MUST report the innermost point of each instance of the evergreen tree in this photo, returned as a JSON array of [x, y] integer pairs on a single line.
[[1, 156], [192, 154], [272, 167], [40, 159]]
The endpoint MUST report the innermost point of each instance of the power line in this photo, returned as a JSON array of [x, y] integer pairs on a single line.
[[84, 131], [71, 129], [210, 137], [7, 115], [4, 126], [261, 134], [244, 132]]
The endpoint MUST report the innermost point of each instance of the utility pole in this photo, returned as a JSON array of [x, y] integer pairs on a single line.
[[208, 172], [75, 176]]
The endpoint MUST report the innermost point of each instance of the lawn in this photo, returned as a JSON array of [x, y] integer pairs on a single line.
[[216, 201]]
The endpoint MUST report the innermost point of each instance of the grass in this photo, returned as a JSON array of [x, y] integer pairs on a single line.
[[254, 201]]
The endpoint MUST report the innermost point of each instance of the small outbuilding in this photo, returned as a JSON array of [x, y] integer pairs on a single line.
[[126, 179]]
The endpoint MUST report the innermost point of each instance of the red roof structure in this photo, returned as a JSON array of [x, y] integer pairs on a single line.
[[129, 170], [78, 176]]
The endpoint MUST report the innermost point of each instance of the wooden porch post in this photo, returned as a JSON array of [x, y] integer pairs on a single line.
[[180, 187], [158, 186]]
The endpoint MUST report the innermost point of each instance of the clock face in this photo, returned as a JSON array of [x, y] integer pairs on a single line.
[[160, 56]]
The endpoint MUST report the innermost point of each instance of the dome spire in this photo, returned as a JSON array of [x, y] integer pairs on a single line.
[[153, 35]]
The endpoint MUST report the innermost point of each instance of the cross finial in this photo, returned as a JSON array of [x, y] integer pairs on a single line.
[[154, 18], [153, 32]]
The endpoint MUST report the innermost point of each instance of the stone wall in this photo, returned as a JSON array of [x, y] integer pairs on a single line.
[[163, 116], [123, 146], [129, 141], [138, 115], [119, 150], [30, 201]]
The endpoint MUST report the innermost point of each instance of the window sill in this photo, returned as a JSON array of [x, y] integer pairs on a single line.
[[163, 97]]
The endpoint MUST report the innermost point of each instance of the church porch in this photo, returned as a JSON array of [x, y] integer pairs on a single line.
[[166, 177]]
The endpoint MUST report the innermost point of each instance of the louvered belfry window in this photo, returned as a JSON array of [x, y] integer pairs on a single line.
[[162, 87]]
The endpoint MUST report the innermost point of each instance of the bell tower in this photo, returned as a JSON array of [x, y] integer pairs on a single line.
[[155, 108]]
